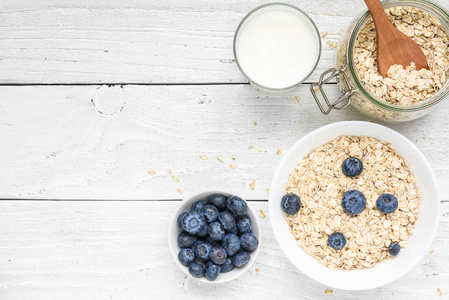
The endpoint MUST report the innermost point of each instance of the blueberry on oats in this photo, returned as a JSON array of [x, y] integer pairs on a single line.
[[352, 167]]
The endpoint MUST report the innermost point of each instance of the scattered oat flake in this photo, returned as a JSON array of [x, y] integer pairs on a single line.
[[259, 150], [324, 34], [262, 214], [257, 270], [234, 157], [204, 157], [233, 166], [169, 171], [328, 291], [250, 147], [220, 159], [298, 99], [268, 190], [333, 45], [316, 89], [341, 29], [151, 172], [279, 151], [252, 185], [254, 123], [180, 191], [431, 252], [175, 178], [439, 292]]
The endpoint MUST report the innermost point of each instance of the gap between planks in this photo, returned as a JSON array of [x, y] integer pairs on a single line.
[[134, 83], [126, 200]]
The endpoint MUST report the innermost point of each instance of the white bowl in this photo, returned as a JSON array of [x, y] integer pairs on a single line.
[[174, 231], [388, 270]]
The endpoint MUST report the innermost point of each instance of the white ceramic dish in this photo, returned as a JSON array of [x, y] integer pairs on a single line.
[[386, 271], [174, 231]]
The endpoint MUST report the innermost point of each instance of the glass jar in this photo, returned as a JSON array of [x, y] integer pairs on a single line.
[[354, 91]]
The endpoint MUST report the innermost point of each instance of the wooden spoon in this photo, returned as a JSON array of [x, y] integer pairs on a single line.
[[393, 47]]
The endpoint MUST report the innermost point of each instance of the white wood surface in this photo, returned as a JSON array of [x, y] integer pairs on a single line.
[[55, 145], [118, 250], [157, 41], [80, 142]]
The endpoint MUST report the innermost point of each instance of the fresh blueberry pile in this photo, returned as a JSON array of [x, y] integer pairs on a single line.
[[353, 203], [216, 236]]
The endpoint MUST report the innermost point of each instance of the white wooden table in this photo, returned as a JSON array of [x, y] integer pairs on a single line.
[[95, 94]]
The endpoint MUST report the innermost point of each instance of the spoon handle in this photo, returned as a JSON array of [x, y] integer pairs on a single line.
[[377, 11]]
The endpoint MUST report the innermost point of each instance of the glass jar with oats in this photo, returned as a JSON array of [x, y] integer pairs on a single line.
[[406, 93]]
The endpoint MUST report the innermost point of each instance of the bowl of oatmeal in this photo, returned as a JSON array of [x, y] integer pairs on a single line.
[[312, 170]]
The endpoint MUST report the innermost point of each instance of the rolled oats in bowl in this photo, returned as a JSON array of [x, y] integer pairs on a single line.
[[320, 183]]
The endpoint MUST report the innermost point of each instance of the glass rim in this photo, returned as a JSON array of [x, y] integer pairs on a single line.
[[429, 102], [242, 22]]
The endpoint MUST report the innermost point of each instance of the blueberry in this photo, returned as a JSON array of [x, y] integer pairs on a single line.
[[336, 240], [237, 206], [387, 203], [196, 270], [227, 220], [186, 256], [180, 219], [218, 255], [210, 212], [193, 222], [248, 241], [244, 225], [353, 202], [227, 266], [290, 204], [186, 240], [209, 239], [394, 249], [216, 231], [241, 259], [202, 251], [193, 247], [231, 243], [199, 205], [352, 167], [200, 262], [203, 231], [217, 200], [233, 230], [212, 271]]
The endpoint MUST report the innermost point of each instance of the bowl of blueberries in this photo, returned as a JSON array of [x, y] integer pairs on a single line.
[[214, 236]]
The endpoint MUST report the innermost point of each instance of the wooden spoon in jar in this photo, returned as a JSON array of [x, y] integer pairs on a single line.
[[393, 47]]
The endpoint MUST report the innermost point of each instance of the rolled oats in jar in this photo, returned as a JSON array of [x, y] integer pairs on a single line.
[[406, 93]]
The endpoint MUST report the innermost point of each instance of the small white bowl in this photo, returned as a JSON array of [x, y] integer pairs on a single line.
[[174, 231], [388, 270]]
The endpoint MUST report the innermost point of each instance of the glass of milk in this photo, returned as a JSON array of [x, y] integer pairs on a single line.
[[277, 46]]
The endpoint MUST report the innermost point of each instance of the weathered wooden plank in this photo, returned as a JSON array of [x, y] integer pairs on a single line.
[[55, 145], [90, 250], [139, 41]]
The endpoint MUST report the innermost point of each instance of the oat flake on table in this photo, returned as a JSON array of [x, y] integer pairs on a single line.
[[405, 86], [320, 183]]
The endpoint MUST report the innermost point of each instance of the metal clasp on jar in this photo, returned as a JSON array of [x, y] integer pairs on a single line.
[[344, 99]]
